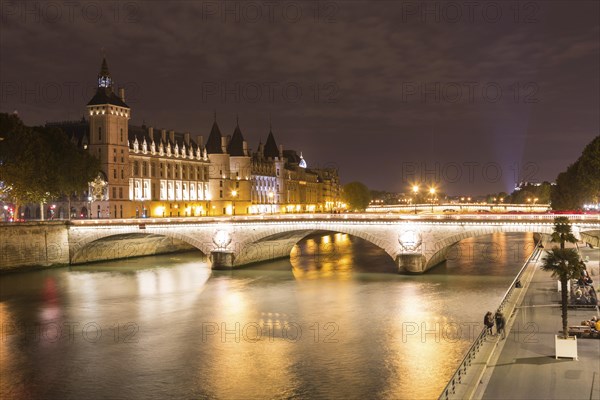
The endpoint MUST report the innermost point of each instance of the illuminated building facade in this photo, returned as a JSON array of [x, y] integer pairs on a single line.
[[148, 172]]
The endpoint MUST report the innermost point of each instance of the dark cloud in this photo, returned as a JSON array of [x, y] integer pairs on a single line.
[[378, 88]]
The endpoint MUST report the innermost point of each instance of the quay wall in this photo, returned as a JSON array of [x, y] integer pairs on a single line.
[[33, 244], [30, 245]]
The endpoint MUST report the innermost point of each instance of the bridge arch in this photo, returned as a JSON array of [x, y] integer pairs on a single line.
[[436, 252], [278, 240], [126, 242]]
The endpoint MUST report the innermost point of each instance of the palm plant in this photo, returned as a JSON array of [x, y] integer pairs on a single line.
[[564, 264], [562, 232]]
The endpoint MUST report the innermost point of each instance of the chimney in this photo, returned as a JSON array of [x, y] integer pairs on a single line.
[[186, 137], [122, 94], [200, 141], [261, 149], [224, 140], [151, 134], [163, 135], [172, 136]]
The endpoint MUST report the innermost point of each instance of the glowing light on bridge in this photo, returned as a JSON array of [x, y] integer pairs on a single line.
[[222, 239]]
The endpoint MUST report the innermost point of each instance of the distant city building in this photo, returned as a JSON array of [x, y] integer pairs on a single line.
[[524, 184], [148, 172]]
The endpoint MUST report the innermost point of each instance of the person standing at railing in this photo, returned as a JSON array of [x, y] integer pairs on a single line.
[[500, 323], [488, 321]]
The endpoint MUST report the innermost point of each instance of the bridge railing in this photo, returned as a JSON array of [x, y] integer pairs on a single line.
[[472, 352], [342, 217]]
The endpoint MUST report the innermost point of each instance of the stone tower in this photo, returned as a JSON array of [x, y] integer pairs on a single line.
[[109, 117]]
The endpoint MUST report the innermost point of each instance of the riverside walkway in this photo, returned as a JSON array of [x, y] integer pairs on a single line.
[[523, 365]]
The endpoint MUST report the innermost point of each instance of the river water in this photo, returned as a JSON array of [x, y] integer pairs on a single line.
[[333, 321]]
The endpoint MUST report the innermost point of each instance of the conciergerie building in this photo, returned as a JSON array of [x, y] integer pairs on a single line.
[[152, 172]]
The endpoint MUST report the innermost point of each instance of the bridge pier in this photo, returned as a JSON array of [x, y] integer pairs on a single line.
[[221, 259], [411, 263]]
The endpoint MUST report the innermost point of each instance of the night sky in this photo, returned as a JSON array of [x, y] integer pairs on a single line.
[[472, 95]]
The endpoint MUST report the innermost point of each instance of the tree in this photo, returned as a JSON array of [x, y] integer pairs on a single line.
[[356, 195], [564, 264], [566, 194], [580, 183], [563, 232], [22, 168], [39, 164]]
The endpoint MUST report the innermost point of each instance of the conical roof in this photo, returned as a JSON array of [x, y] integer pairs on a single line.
[[213, 144], [105, 94], [271, 150], [236, 144], [104, 68]]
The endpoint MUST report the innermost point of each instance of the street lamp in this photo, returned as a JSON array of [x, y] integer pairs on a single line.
[[90, 207], [415, 190], [271, 195], [233, 194], [432, 192]]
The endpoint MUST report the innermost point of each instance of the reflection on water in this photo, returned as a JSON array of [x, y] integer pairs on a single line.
[[333, 321]]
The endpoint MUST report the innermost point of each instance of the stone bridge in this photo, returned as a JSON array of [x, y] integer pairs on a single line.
[[415, 243]]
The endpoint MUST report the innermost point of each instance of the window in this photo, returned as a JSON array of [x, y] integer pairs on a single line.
[[237, 185], [100, 133], [121, 135], [122, 173], [115, 156], [114, 196], [135, 168], [220, 193], [120, 193], [220, 183], [115, 173]]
